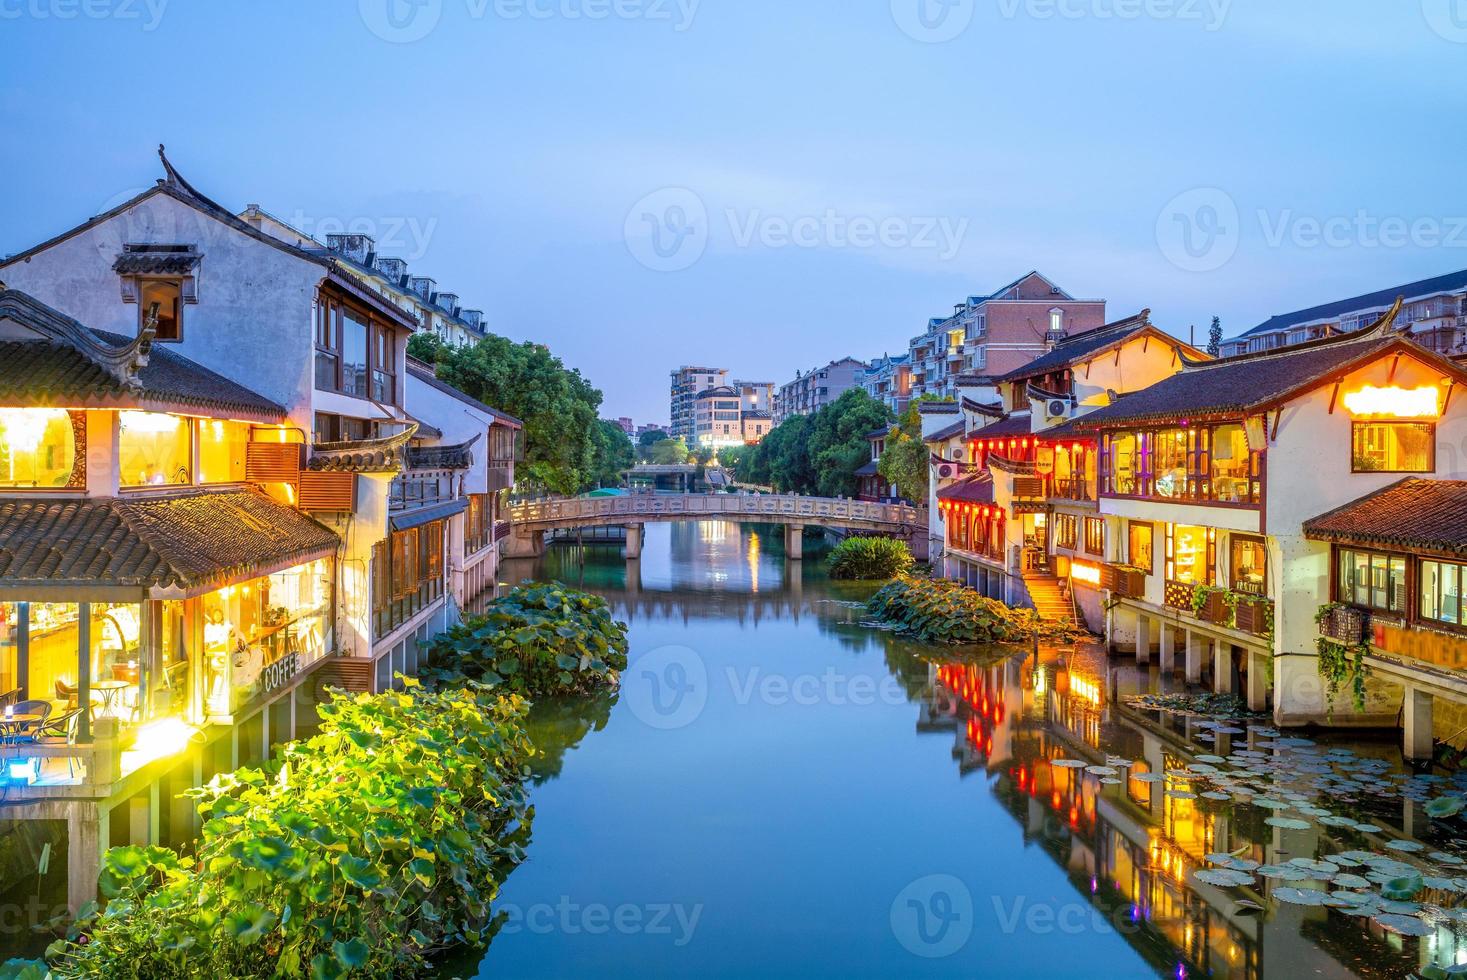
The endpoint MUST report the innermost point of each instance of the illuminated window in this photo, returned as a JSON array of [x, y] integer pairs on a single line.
[[1095, 536], [154, 450], [1441, 592], [1393, 447], [1139, 545], [167, 296], [1066, 530], [37, 448], [222, 447], [1372, 580], [1191, 554], [1230, 468], [1169, 462], [1249, 564], [1122, 464]]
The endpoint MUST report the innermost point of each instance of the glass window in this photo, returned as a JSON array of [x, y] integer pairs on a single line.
[[1229, 469], [1095, 536], [1066, 530], [222, 448], [1139, 543], [1191, 554], [1371, 580], [384, 360], [166, 295], [1441, 592], [1249, 562], [9, 647], [328, 343], [53, 651], [1169, 463], [353, 354], [154, 450], [1123, 464], [1393, 447], [116, 668], [37, 448]]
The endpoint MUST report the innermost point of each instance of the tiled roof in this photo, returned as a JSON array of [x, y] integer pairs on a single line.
[[386, 454], [1378, 300], [156, 263], [937, 408], [1429, 515], [458, 457], [869, 469], [417, 517], [1084, 345], [187, 541], [974, 490], [947, 432], [1009, 426], [1254, 382]]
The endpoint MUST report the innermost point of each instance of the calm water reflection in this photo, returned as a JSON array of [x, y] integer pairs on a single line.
[[780, 790]]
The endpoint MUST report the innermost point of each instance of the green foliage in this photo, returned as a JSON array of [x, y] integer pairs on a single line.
[[649, 437], [564, 451], [1339, 663], [359, 852], [1214, 337], [536, 640], [731, 457], [942, 611], [614, 453], [669, 452], [818, 454], [703, 455], [905, 459], [869, 558]]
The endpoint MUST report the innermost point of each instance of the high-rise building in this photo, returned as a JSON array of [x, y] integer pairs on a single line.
[[687, 382], [814, 389]]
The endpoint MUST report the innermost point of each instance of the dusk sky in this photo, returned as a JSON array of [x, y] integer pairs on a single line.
[[822, 175]]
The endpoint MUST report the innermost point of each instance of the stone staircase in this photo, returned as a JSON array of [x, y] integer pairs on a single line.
[[1049, 598]]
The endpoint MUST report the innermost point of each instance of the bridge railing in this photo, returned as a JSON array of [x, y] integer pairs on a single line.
[[779, 508]]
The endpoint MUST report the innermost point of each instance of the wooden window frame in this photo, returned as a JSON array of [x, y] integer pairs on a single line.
[[1338, 582], [1235, 539], [1099, 547], [1131, 526], [1431, 443], [140, 283], [1066, 531], [1198, 488], [381, 348]]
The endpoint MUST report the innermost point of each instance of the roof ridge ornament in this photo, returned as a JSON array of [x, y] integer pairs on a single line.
[[122, 363], [1386, 325]]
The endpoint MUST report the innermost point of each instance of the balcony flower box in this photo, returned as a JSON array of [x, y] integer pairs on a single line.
[[1254, 615], [1212, 607], [1124, 580], [1344, 624]]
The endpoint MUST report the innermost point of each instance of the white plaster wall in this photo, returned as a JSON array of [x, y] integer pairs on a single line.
[[458, 421], [1142, 363]]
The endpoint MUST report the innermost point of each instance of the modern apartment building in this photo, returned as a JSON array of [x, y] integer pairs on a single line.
[[997, 333], [1434, 311], [814, 389], [889, 380], [687, 382]]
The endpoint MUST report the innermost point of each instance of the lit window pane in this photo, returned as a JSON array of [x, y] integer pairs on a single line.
[[154, 450], [222, 451], [37, 447]]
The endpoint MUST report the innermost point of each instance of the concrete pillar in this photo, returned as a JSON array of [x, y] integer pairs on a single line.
[[794, 542], [1417, 710], [1257, 680], [634, 541], [1194, 658], [1168, 648], [1143, 638], [88, 834], [1222, 667]]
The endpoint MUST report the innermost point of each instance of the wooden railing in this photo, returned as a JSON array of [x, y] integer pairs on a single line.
[[777, 508]]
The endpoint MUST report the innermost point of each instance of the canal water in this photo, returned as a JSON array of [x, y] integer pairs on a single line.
[[782, 789]]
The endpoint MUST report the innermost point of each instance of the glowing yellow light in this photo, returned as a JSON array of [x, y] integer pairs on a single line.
[[1086, 689], [1039, 681], [1400, 403], [157, 740], [1088, 574], [149, 422], [25, 427]]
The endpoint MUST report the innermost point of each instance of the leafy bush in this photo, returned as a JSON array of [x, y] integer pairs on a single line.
[[537, 640], [942, 611], [361, 851], [869, 558]]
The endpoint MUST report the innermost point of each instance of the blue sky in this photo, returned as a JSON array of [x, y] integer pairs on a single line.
[[841, 171]]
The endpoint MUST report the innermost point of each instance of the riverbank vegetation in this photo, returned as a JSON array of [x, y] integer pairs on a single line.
[[536, 640], [869, 558], [817, 454], [942, 611], [361, 851]]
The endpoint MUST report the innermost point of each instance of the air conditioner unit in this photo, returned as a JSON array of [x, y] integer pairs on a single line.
[[1057, 408], [945, 471], [958, 455]]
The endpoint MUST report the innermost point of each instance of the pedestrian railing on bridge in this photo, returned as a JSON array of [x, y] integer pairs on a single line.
[[774, 508]]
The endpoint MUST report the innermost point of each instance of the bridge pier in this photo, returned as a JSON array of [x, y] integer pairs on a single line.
[[634, 541], [525, 542], [794, 542]]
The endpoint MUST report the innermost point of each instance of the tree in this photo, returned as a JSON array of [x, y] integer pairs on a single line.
[[820, 453], [646, 439], [732, 457], [669, 452], [703, 455], [904, 462], [558, 406], [1214, 337], [614, 453]]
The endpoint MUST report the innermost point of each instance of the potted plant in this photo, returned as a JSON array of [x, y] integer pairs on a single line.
[[1209, 603], [1342, 622]]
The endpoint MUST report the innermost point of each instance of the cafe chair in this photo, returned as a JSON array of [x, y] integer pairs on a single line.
[[65, 692], [60, 730], [27, 732]]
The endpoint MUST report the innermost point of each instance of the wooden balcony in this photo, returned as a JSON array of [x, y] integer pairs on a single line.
[[1123, 580], [1178, 595], [1073, 488]]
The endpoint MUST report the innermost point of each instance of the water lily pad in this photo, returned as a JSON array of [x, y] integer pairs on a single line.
[[1367, 828], [1287, 823], [1445, 806], [1347, 880], [1213, 794], [1406, 925], [1282, 872], [1336, 821], [1067, 763], [1303, 896], [1318, 867], [1405, 845], [1402, 889], [1224, 877]]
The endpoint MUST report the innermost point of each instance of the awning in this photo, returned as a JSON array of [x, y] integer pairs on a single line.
[[427, 515], [139, 547]]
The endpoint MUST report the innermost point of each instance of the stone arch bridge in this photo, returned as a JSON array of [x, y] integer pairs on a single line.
[[529, 521]]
